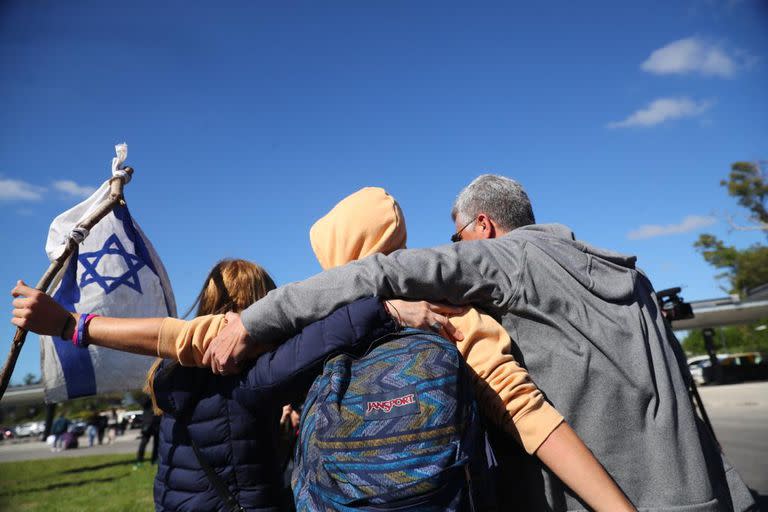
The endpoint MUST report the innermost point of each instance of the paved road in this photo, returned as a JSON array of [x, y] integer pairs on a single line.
[[739, 413], [30, 450]]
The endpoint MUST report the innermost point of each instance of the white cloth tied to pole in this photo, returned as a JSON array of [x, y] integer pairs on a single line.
[[114, 271], [78, 234], [117, 163]]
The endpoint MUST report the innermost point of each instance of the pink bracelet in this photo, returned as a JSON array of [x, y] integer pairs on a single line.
[[79, 339]]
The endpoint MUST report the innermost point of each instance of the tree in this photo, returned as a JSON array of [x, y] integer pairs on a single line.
[[743, 268], [30, 379], [749, 184], [733, 339]]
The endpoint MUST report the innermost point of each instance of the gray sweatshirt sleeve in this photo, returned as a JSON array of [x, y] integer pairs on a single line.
[[483, 273]]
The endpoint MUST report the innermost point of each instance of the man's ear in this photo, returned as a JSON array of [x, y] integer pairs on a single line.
[[485, 226]]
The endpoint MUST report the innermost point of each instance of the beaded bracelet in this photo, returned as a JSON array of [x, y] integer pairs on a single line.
[[79, 339]]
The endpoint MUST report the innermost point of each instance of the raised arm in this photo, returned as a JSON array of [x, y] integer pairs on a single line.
[[458, 273], [184, 341], [466, 273], [37, 312]]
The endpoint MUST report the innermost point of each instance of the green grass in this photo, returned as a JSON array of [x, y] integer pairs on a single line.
[[98, 483]]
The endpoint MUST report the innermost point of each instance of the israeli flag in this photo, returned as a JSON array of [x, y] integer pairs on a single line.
[[115, 271]]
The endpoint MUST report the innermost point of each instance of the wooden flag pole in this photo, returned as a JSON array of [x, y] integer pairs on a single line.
[[116, 198]]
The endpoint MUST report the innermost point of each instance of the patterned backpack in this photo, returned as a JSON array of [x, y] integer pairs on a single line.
[[397, 429]]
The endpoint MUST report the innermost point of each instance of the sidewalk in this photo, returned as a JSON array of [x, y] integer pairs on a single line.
[[750, 396], [127, 443], [739, 414]]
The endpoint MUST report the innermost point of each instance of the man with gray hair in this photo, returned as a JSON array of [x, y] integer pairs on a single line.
[[587, 326], [494, 202]]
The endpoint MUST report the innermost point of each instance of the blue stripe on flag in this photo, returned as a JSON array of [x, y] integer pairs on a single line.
[[122, 214], [76, 363]]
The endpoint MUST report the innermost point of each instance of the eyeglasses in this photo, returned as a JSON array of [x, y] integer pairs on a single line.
[[456, 237]]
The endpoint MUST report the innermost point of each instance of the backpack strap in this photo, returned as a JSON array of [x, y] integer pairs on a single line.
[[230, 502]]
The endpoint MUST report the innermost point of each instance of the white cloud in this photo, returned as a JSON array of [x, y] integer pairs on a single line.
[[19, 190], [72, 189], [694, 55], [690, 223], [663, 109]]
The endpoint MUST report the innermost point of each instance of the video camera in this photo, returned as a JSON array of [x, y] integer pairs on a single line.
[[673, 306]]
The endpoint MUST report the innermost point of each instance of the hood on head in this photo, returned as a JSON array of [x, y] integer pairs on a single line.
[[361, 224]]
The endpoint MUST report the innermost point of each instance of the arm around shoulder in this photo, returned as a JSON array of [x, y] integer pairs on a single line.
[[482, 273]]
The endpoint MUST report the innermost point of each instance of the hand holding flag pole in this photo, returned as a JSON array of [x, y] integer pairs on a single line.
[[121, 176]]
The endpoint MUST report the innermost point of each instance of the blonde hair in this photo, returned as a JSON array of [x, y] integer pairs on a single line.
[[231, 285]]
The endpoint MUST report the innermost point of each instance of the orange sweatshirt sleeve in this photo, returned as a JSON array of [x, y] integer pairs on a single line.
[[505, 391], [187, 340]]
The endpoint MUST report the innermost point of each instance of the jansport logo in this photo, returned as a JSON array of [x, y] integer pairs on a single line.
[[388, 405]]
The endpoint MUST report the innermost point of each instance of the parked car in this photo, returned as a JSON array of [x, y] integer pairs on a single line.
[[739, 367], [696, 366], [743, 359], [32, 428], [133, 418]]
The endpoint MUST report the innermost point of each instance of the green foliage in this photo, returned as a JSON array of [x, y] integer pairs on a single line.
[[95, 483], [733, 339], [76, 409], [82, 408], [747, 182], [30, 379], [742, 268]]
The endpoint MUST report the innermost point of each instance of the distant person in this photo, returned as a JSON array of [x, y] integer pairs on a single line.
[[101, 427], [92, 427], [229, 422], [588, 328], [58, 429], [150, 427], [112, 426], [69, 439]]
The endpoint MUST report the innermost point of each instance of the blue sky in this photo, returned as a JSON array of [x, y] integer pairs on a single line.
[[246, 123]]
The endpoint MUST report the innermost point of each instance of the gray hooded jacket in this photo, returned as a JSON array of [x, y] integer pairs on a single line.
[[589, 330]]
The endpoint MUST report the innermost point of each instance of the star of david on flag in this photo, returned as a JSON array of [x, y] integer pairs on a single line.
[[91, 260], [114, 272]]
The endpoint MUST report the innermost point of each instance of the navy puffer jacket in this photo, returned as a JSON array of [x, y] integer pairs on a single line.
[[234, 419]]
